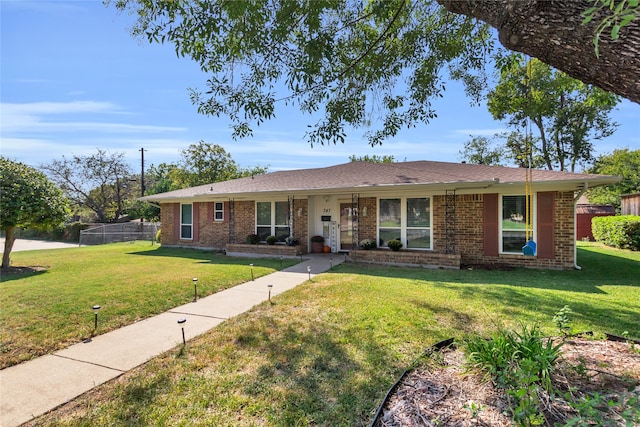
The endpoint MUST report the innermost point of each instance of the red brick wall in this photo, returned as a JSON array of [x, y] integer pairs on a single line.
[[166, 217], [469, 232], [368, 225], [245, 214], [244, 221], [469, 237], [213, 234], [301, 223]]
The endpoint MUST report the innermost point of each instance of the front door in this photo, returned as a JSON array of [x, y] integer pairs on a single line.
[[346, 226]]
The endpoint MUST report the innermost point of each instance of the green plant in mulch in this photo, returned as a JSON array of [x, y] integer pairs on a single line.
[[561, 320], [519, 363], [522, 364]]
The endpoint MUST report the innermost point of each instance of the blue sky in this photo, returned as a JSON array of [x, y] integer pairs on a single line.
[[73, 80]]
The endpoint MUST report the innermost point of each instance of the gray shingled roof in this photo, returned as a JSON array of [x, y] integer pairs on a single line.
[[364, 176]]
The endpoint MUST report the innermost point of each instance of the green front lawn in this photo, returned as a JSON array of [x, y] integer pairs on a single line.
[[50, 309], [326, 352]]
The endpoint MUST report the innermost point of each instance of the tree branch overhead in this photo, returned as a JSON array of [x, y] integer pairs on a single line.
[[552, 31]]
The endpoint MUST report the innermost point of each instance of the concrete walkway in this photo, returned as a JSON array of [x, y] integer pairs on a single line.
[[32, 388]]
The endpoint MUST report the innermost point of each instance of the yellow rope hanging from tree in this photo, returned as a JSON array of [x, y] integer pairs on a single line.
[[529, 247]]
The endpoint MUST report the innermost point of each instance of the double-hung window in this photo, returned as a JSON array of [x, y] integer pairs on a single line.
[[272, 219], [218, 211], [405, 219], [186, 221], [514, 222]]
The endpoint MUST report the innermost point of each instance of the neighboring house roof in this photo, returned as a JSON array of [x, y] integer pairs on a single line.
[[595, 209], [362, 177]]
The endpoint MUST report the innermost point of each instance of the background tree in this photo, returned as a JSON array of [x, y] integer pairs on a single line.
[[624, 163], [27, 199], [565, 114], [100, 182], [205, 163], [481, 150], [157, 179], [383, 62], [372, 159]]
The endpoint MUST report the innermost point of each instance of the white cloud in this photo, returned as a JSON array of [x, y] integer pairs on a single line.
[[34, 117], [59, 107]]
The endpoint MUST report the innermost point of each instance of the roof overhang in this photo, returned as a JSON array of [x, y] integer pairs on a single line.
[[460, 187]]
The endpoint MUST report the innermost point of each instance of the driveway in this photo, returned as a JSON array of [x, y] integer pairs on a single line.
[[30, 245]]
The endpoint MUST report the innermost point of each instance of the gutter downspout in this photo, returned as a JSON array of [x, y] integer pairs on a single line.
[[575, 225]]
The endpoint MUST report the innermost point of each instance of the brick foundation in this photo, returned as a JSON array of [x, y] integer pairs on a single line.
[[238, 249], [426, 259]]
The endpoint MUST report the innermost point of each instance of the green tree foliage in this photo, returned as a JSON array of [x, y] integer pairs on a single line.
[[372, 159], [100, 182], [27, 199], [156, 180], [624, 163], [480, 150], [200, 164], [564, 114], [361, 62], [205, 163]]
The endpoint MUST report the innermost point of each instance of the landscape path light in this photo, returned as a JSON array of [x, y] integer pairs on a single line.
[[309, 271], [269, 287], [331, 263], [195, 289], [181, 322], [251, 267], [96, 309]]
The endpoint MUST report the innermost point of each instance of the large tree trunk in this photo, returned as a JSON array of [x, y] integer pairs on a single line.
[[552, 31], [10, 237]]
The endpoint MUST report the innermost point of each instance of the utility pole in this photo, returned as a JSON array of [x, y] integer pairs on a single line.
[[142, 150]]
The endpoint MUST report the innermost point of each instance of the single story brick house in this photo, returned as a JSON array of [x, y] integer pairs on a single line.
[[445, 214]]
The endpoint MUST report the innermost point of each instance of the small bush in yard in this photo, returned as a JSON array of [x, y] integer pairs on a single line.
[[621, 232], [367, 244], [271, 240], [253, 239], [394, 244], [74, 230]]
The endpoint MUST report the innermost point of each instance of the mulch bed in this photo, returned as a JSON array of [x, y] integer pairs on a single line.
[[444, 394]]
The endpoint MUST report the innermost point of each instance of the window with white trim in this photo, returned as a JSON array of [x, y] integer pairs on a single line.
[[406, 219], [513, 224], [272, 219], [218, 211], [186, 221]]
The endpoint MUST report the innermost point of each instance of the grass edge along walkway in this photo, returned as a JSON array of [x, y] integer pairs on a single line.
[[51, 307], [42, 384]]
